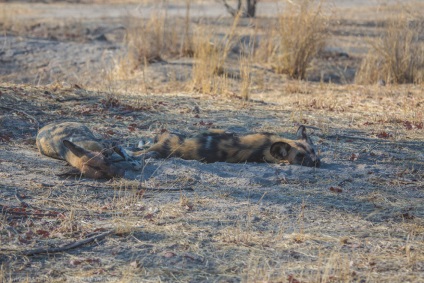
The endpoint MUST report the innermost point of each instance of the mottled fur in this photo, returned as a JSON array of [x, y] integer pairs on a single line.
[[96, 158], [218, 146], [76, 144]]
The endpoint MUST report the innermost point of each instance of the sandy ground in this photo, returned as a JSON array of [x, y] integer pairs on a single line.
[[358, 218]]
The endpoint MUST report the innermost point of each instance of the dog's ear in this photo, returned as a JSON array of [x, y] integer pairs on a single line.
[[77, 150], [301, 134], [280, 150]]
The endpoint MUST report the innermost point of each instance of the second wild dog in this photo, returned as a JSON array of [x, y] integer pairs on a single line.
[[92, 157]]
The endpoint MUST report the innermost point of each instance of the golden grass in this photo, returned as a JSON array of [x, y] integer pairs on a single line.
[[207, 62], [158, 38], [245, 76], [397, 56], [9, 12], [210, 56], [300, 33]]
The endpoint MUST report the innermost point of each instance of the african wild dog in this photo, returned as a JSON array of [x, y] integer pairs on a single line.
[[96, 158], [219, 146], [93, 157]]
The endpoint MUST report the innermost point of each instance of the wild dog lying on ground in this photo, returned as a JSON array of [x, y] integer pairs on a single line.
[[219, 146], [98, 159], [93, 157]]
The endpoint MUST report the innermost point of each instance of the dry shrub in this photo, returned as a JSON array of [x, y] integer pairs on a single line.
[[301, 33], [9, 13], [245, 76], [146, 41], [207, 62], [158, 38], [397, 56], [210, 54]]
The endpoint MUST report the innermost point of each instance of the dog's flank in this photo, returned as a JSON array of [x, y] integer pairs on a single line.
[[93, 157], [219, 146]]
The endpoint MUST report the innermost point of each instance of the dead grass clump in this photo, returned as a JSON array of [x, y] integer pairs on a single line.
[[302, 33], [158, 38], [146, 40], [210, 54], [9, 12], [207, 63], [246, 80], [397, 57]]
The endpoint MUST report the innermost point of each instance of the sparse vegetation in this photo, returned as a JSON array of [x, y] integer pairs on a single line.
[[210, 56], [249, 9], [158, 38], [397, 56], [207, 65], [302, 31]]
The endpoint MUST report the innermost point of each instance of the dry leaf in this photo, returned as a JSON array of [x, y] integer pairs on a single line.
[[335, 189]]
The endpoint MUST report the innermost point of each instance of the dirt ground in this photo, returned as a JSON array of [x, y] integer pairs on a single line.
[[358, 218]]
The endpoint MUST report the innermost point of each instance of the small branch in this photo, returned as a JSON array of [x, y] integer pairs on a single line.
[[23, 203], [230, 9], [32, 214], [67, 246], [169, 189]]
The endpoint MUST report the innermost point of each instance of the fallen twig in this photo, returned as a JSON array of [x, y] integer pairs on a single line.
[[67, 246], [19, 198], [169, 189], [27, 213]]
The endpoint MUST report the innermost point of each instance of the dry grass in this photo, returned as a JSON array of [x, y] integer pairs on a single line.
[[207, 65], [210, 56], [158, 38], [146, 40], [245, 76], [301, 33], [8, 14], [397, 56]]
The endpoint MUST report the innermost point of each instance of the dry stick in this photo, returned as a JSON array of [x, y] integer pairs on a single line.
[[19, 198], [67, 246], [32, 214]]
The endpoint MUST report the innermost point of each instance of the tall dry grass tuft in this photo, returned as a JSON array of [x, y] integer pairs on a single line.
[[301, 33], [210, 54], [158, 38], [397, 56], [245, 76], [146, 40], [207, 62]]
